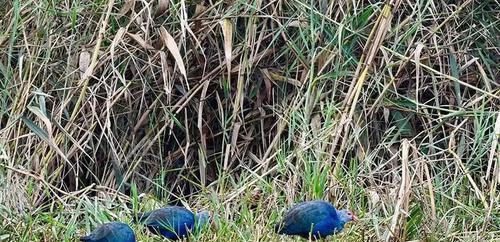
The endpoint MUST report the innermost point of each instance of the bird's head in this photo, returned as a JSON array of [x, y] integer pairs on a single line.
[[346, 215], [205, 217]]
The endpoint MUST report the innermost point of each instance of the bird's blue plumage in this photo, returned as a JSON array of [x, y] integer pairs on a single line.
[[172, 222], [111, 232], [315, 219]]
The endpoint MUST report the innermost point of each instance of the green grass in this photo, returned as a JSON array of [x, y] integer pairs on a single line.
[[398, 121]]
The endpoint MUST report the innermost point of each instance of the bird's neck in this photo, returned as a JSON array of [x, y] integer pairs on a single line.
[[341, 222]]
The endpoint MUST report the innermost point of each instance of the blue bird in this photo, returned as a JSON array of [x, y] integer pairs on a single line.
[[173, 222], [111, 232], [314, 219]]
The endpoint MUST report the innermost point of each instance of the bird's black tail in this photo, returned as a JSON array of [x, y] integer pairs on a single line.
[[277, 228], [85, 239], [139, 217]]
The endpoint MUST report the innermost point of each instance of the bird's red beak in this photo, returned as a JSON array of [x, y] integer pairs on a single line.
[[354, 217]]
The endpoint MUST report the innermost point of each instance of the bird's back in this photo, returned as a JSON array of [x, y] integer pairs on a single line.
[[111, 232], [172, 222], [317, 217]]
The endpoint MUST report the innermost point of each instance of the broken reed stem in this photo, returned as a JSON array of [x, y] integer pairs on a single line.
[[374, 41]]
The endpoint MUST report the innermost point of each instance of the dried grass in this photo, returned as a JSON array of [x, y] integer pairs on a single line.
[[389, 108]]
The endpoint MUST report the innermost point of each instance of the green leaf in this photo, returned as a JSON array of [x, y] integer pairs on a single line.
[[455, 73], [402, 122], [36, 129]]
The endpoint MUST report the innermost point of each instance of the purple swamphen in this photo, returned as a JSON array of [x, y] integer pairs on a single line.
[[314, 219], [173, 222], [111, 232]]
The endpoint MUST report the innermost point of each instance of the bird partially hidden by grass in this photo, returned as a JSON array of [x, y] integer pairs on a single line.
[[314, 220], [173, 222], [111, 232]]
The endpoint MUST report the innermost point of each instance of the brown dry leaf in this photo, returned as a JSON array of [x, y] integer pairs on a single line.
[[299, 24], [167, 83], [169, 42], [316, 125], [417, 53], [118, 37], [267, 82], [227, 31], [137, 38], [199, 9], [129, 4], [84, 62], [235, 134], [161, 7], [322, 59], [373, 197], [275, 76]]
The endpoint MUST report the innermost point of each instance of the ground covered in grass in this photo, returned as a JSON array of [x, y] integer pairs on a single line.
[[387, 108]]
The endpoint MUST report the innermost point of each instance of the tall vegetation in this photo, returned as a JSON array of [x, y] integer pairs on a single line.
[[388, 108]]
